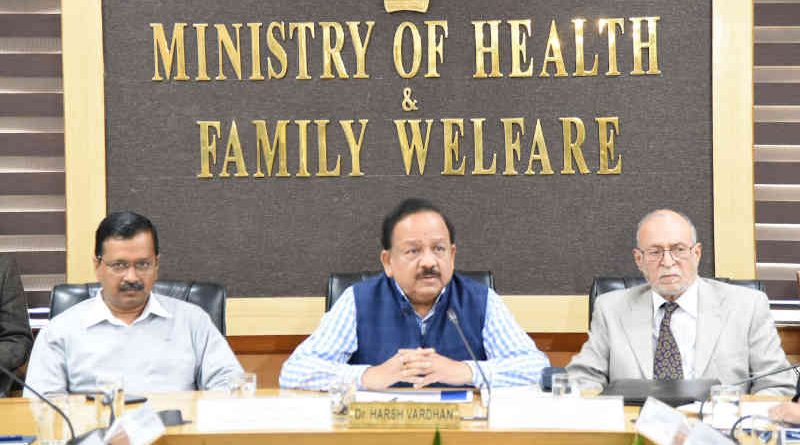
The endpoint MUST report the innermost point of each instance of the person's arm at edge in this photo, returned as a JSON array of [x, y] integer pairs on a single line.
[[766, 353], [47, 366], [322, 358], [218, 362], [592, 362], [17, 339], [513, 358]]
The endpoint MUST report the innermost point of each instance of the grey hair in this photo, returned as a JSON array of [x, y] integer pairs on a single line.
[[656, 213]]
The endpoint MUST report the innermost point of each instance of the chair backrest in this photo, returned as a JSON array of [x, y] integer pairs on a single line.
[[209, 296], [601, 285], [338, 282]]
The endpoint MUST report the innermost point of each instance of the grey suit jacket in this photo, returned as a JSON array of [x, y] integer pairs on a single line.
[[736, 338]]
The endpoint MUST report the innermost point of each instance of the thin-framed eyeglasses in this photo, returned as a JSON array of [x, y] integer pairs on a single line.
[[678, 252], [142, 267]]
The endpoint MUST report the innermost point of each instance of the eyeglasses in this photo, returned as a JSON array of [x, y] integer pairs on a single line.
[[121, 267], [678, 252]]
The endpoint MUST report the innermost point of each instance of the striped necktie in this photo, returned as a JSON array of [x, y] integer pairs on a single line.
[[667, 361]]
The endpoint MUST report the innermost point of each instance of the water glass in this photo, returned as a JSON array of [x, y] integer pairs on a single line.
[[110, 392], [565, 386], [51, 427], [243, 384], [342, 393], [725, 405]]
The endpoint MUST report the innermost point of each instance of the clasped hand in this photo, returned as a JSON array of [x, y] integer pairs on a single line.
[[419, 367]]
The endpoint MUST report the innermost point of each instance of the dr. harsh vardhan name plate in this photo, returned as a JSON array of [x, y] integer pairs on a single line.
[[404, 415]]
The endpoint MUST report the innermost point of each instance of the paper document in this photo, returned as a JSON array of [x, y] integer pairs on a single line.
[[463, 396], [528, 408]]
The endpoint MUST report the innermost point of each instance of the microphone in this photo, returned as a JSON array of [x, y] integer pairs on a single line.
[[451, 314], [767, 374], [73, 440]]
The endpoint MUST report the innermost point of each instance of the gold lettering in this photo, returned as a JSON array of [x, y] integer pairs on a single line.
[[322, 150], [208, 147], [520, 31], [553, 54], [572, 148], [435, 46], [236, 156], [202, 70], [613, 25], [397, 50], [477, 128], [176, 50], [255, 51], [277, 50], [493, 49], [607, 145], [580, 68], [267, 151], [416, 145], [355, 146], [651, 45], [360, 47], [302, 148], [453, 130], [543, 157], [332, 52], [302, 47], [233, 52], [512, 142]]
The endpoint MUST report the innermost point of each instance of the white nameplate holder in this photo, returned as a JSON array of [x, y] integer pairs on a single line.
[[661, 423], [264, 413], [142, 427], [524, 408]]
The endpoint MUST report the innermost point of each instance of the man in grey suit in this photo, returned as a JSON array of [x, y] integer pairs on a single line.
[[678, 325]]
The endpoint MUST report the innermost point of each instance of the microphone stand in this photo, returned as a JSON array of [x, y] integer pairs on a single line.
[[73, 440], [451, 314]]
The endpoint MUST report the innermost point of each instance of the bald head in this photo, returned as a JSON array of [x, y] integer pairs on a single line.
[[665, 213]]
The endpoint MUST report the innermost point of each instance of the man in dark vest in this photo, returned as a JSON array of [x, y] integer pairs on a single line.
[[393, 330]]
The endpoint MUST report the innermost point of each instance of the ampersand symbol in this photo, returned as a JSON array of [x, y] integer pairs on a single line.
[[409, 104]]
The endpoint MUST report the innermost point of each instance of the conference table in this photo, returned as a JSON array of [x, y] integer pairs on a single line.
[[16, 417]]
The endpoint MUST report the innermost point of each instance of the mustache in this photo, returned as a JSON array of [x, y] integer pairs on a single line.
[[128, 286], [431, 272]]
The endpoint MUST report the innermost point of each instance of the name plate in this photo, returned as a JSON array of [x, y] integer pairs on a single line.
[[404, 415], [523, 408]]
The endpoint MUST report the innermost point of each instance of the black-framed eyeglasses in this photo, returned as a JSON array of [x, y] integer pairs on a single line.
[[121, 267], [678, 252]]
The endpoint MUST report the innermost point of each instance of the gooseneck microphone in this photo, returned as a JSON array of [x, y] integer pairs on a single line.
[[73, 440], [451, 314], [767, 374], [13, 377]]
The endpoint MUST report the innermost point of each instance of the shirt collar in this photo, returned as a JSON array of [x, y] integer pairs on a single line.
[[435, 303], [687, 301], [99, 311]]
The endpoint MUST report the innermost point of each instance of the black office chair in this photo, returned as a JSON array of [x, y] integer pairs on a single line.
[[338, 282], [209, 296], [601, 285]]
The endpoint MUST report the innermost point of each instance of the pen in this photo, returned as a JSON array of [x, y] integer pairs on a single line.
[[10, 438]]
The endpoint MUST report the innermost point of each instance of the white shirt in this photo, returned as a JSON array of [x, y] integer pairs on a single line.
[[172, 346], [683, 326]]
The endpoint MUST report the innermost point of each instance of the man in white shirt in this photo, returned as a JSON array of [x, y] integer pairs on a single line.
[[680, 326], [155, 343]]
